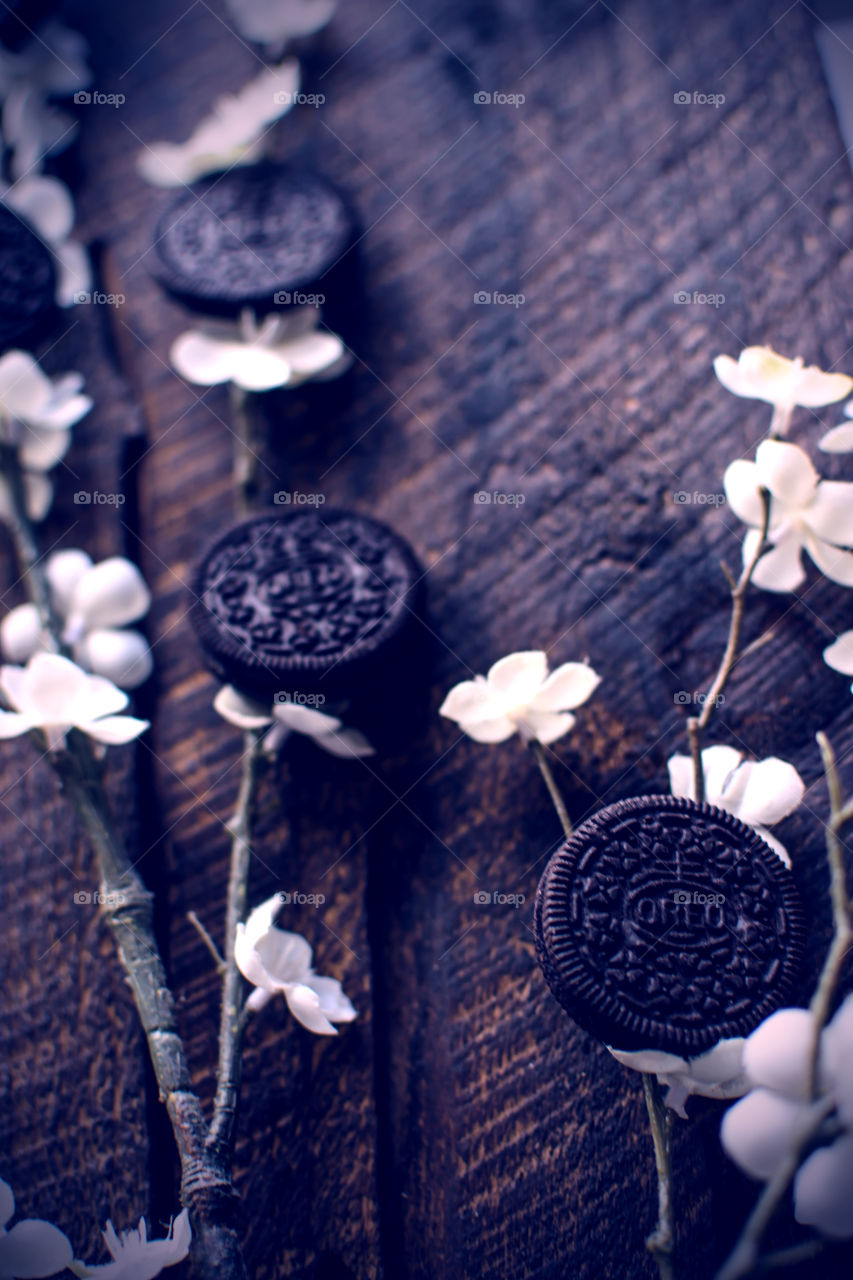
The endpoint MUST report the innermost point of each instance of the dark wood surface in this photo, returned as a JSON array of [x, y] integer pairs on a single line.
[[462, 1127]]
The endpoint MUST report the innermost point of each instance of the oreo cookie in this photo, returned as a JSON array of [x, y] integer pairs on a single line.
[[304, 602], [664, 924], [27, 283], [259, 236]]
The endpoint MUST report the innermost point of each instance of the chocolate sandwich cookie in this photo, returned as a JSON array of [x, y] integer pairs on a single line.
[[663, 924], [260, 237], [311, 601], [27, 283]]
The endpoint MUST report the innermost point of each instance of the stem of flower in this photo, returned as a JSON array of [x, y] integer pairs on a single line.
[[696, 725], [206, 1188], [27, 552], [745, 1258], [661, 1242], [246, 452], [780, 421], [206, 939], [231, 1020], [553, 791]]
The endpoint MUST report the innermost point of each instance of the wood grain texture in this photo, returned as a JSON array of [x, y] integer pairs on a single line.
[[462, 1127]]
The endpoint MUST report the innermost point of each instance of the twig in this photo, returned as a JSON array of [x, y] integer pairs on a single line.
[[696, 725], [206, 939], [662, 1240], [744, 1258], [246, 453], [27, 553], [553, 790], [231, 1020]]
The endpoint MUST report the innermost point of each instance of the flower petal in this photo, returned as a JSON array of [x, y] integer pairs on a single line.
[[122, 657], [115, 730], [718, 764], [781, 568], [470, 701], [21, 633], [777, 1054], [545, 726], [38, 495], [680, 769], [766, 791], [497, 730], [312, 353], [42, 447], [24, 389], [286, 956], [838, 440], [13, 724], [831, 512], [333, 1002], [566, 688], [110, 594], [241, 711], [776, 845], [63, 570], [757, 1131], [832, 562], [302, 719], [839, 655], [304, 1004], [7, 1203], [346, 743], [814, 388], [32, 1249], [50, 687], [45, 203], [73, 272], [786, 470], [741, 485], [823, 1190], [519, 676]]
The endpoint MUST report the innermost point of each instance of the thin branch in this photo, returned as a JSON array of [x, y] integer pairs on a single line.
[[697, 725], [247, 448], [231, 1020], [661, 1242], [553, 790], [206, 939]]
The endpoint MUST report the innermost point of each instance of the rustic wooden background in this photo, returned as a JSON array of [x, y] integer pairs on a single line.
[[462, 1127]]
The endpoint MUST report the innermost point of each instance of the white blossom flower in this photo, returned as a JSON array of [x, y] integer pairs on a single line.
[[839, 655], [32, 1248], [93, 602], [135, 1257], [715, 1074], [806, 514], [46, 204], [759, 373], [231, 135], [50, 65], [290, 717], [519, 696], [759, 1131], [839, 439], [275, 21], [280, 351], [759, 792], [36, 414], [51, 693], [274, 960]]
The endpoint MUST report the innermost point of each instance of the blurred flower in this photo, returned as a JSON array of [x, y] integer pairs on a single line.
[[36, 414], [839, 655], [46, 204], [274, 960], [290, 717], [50, 65], [280, 351], [806, 514], [231, 135], [32, 1248], [760, 374], [839, 439], [274, 21], [759, 1131], [92, 601], [519, 696], [715, 1074], [759, 792], [135, 1257], [52, 694]]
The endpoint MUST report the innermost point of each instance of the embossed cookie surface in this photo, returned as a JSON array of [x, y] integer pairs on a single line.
[[238, 239], [307, 601], [662, 924]]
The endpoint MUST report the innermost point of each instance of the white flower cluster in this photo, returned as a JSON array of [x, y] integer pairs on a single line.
[[51, 65], [36, 416], [760, 1131], [34, 1247]]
